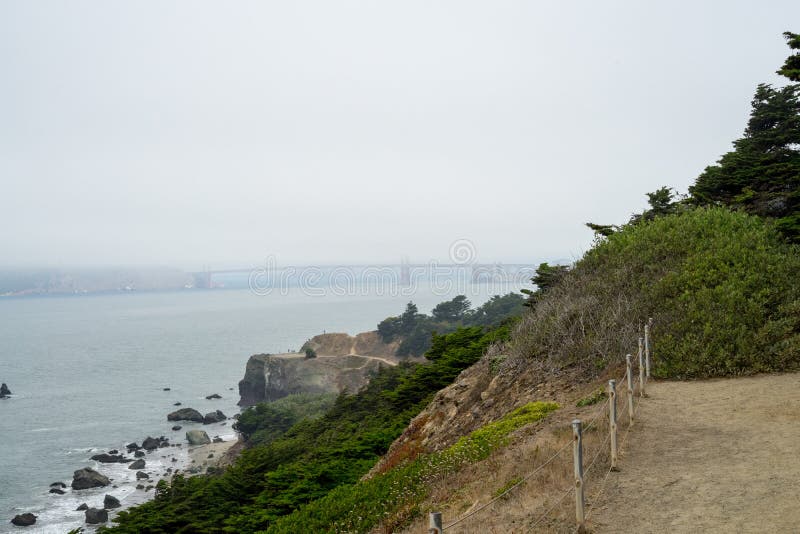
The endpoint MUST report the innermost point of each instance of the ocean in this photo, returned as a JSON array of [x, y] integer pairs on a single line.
[[88, 374]]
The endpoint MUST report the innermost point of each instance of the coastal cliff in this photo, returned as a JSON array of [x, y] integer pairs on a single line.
[[343, 362]]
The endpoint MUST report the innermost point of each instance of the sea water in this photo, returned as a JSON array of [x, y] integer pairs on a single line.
[[88, 374]]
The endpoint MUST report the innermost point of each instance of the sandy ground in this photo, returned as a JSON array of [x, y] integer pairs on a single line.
[[199, 455], [711, 456]]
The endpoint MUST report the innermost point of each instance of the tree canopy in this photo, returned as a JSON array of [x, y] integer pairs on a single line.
[[762, 173]]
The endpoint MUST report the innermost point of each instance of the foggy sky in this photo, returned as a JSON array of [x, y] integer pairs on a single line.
[[217, 133]]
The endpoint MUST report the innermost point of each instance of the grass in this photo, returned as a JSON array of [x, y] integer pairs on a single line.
[[594, 398]]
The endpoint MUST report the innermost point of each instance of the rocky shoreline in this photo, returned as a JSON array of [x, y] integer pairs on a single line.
[[116, 479]]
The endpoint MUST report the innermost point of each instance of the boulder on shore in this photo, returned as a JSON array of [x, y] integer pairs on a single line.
[[197, 437], [214, 417], [95, 516], [88, 478], [110, 502], [185, 414], [5, 392], [23, 520], [137, 464]]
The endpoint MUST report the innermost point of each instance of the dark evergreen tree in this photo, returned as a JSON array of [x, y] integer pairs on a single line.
[[791, 69], [762, 174], [545, 278], [604, 230], [409, 318], [451, 310]]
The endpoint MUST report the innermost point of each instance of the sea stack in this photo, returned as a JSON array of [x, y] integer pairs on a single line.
[[4, 391]]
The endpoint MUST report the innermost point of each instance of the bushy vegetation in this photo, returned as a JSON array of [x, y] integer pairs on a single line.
[[416, 330], [392, 498], [721, 286], [267, 421], [314, 456]]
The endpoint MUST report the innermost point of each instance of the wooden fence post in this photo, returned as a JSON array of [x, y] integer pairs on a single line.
[[641, 376], [577, 457], [641, 345], [647, 347], [630, 387], [435, 523], [612, 419]]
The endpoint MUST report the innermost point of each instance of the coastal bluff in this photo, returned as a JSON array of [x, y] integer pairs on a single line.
[[342, 362]]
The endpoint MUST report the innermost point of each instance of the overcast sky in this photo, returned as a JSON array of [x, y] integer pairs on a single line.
[[191, 133]]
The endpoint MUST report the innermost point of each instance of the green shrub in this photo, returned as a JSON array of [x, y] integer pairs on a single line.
[[721, 286], [592, 399], [267, 421]]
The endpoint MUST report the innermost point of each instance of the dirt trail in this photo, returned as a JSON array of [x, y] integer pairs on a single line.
[[712, 456]]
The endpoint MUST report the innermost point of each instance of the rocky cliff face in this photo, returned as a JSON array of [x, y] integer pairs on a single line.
[[363, 344], [343, 362]]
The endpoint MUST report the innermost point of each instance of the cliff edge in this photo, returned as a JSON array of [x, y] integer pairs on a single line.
[[343, 362]]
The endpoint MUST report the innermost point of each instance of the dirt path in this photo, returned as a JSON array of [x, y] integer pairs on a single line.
[[387, 361], [712, 456]]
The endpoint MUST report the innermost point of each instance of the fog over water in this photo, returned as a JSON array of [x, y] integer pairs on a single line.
[[190, 133]]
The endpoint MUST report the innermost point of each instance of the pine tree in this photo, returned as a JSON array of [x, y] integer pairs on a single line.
[[762, 173]]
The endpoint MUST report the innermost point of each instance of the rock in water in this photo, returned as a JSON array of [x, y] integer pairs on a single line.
[[95, 516], [23, 520], [58, 485], [176, 427], [82, 507], [214, 417], [4, 391], [110, 502], [104, 458], [197, 437], [138, 454], [137, 465], [57, 491], [88, 478], [150, 444], [213, 396], [186, 414], [141, 475]]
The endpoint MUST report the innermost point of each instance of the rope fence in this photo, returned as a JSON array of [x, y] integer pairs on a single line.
[[607, 447]]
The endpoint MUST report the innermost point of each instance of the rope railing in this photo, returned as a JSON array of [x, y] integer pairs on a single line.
[[582, 470], [511, 488]]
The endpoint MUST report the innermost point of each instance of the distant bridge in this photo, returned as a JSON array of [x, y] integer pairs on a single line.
[[477, 272]]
